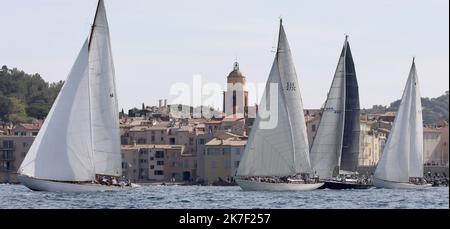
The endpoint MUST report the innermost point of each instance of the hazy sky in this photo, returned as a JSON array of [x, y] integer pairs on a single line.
[[159, 43]]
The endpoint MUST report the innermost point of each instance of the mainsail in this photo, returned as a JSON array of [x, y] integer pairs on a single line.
[[336, 144], [403, 153], [283, 149], [80, 136]]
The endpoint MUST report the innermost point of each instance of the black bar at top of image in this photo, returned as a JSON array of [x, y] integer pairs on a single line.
[[247, 218]]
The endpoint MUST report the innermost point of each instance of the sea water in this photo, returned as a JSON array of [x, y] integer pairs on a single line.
[[209, 197]]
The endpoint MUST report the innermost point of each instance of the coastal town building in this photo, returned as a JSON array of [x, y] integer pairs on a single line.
[[436, 145], [222, 156], [13, 150], [147, 163]]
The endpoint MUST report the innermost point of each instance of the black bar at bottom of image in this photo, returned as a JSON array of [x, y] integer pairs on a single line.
[[224, 218]]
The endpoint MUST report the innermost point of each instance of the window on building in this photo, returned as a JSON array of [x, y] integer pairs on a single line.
[[23, 133], [152, 158], [227, 164], [35, 134], [313, 128], [162, 139], [201, 141], [8, 166], [159, 172], [8, 144], [172, 141], [160, 163], [226, 151], [159, 154], [141, 141], [124, 165], [236, 164], [7, 155], [213, 151], [153, 138], [152, 167], [162, 131], [236, 151], [214, 164]]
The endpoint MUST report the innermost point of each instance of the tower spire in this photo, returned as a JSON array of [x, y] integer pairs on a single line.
[[236, 65]]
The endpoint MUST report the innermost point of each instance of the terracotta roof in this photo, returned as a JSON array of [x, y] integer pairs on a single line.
[[213, 122], [152, 146], [227, 142], [31, 126]]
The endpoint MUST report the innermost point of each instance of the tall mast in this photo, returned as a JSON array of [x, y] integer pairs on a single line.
[[93, 24]]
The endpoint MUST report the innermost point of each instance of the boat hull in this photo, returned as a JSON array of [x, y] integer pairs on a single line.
[[53, 186], [344, 185], [397, 185], [248, 185]]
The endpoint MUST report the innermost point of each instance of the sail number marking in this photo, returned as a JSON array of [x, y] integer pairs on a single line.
[[291, 86]]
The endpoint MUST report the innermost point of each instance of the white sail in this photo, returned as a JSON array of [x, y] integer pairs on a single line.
[[294, 105], [283, 149], [403, 153], [62, 149], [104, 113], [327, 144]]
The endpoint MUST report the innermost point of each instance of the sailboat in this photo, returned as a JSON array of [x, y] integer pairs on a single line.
[[276, 157], [401, 164], [335, 148], [79, 141]]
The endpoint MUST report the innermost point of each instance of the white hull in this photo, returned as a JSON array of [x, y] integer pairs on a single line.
[[52, 186], [248, 185], [397, 185]]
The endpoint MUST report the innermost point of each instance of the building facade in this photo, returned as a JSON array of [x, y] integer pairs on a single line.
[[13, 150], [222, 156]]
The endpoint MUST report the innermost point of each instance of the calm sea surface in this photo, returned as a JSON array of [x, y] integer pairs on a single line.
[[195, 197]]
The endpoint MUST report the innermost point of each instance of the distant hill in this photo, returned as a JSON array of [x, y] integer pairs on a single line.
[[24, 97], [434, 109]]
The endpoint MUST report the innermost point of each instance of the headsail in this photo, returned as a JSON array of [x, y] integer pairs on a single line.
[[64, 141], [104, 115], [403, 153], [281, 150]]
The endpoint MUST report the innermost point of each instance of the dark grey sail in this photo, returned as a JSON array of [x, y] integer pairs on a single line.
[[336, 144], [350, 143]]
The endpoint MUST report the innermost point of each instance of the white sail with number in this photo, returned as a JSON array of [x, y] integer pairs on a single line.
[[281, 149]]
